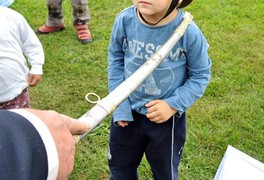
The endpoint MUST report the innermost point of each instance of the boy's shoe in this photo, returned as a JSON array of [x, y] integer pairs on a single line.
[[83, 33], [47, 29]]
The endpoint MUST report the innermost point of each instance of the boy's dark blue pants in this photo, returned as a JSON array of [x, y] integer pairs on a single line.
[[161, 143]]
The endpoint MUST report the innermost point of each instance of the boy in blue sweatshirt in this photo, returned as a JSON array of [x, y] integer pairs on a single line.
[[152, 120]]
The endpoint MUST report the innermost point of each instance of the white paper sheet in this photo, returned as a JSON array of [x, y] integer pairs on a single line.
[[237, 165]]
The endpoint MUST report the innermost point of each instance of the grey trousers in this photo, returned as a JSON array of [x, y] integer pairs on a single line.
[[80, 11]]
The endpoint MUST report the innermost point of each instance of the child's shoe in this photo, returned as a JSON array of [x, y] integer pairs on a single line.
[[47, 29], [83, 33]]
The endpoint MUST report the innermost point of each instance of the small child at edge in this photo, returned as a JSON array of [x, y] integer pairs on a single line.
[[18, 42]]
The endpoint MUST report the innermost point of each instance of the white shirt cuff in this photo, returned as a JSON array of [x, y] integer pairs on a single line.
[[52, 154]]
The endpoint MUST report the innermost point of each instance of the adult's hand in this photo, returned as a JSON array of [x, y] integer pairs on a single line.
[[62, 128]]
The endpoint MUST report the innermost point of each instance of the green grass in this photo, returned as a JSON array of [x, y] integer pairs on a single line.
[[231, 111]]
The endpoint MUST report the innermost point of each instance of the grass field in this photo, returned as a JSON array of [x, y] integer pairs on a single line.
[[231, 111]]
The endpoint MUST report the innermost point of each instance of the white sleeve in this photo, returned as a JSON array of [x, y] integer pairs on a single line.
[[32, 47], [53, 160]]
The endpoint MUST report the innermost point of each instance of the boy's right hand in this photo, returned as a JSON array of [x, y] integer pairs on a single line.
[[122, 123]]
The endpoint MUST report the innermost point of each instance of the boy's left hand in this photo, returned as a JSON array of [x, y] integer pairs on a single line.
[[34, 79], [159, 111]]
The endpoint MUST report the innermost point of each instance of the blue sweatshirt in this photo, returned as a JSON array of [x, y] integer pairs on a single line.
[[180, 79]]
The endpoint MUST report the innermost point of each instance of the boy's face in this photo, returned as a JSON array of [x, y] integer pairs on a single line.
[[157, 8]]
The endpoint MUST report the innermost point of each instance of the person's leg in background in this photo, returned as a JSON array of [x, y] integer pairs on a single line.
[[54, 21], [81, 16]]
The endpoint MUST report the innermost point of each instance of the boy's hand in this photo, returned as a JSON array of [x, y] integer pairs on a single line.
[[159, 111], [34, 79], [122, 123]]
